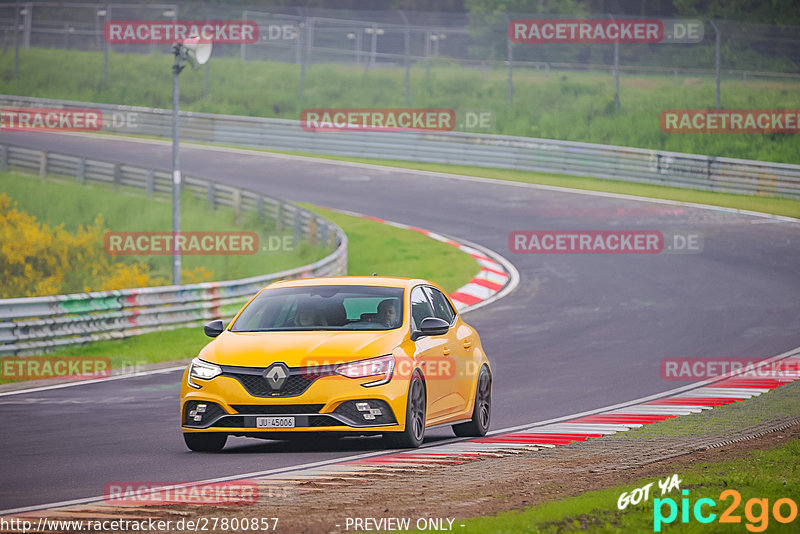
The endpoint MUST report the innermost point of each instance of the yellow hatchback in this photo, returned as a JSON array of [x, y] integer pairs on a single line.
[[347, 355]]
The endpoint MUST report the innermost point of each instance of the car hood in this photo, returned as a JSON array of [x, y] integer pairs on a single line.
[[298, 349]]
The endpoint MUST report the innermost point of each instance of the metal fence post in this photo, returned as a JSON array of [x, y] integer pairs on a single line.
[[616, 71], [81, 174], [324, 231], [243, 47], [302, 44], [709, 174], [149, 183], [107, 19], [43, 166], [716, 29], [298, 226], [616, 75], [406, 55], [117, 175], [237, 203], [27, 25], [212, 200], [312, 229], [16, 40], [510, 58]]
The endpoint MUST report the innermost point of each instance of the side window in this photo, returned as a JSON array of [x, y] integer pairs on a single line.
[[420, 307], [441, 307]]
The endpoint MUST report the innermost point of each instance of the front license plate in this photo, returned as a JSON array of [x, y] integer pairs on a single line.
[[274, 422]]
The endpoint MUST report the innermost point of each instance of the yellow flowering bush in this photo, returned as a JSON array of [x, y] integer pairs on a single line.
[[37, 259]]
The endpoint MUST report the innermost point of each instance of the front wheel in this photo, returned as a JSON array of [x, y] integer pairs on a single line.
[[205, 441], [416, 407], [482, 412]]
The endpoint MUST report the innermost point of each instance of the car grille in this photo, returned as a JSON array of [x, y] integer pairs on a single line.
[[277, 409], [298, 381], [323, 420]]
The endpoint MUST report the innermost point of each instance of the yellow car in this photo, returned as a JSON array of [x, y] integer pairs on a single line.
[[346, 355]]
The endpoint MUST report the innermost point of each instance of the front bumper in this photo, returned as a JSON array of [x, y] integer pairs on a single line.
[[330, 403]]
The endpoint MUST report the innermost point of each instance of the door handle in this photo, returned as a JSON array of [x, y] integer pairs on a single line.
[[467, 343], [445, 350]]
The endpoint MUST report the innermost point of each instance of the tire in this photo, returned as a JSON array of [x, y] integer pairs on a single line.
[[205, 442], [416, 409], [482, 412]]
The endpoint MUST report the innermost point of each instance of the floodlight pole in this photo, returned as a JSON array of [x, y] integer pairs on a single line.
[[177, 67]]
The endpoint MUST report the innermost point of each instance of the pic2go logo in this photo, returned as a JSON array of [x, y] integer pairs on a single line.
[[756, 511]]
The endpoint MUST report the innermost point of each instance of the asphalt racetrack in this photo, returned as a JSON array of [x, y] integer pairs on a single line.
[[580, 332]]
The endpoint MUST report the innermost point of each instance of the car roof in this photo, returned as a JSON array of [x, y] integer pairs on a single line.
[[375, 281]]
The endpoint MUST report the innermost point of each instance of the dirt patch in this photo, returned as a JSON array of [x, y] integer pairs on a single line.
[[491, 486]]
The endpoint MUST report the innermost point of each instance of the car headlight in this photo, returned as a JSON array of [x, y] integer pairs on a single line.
[[202, 370], [382, 367]]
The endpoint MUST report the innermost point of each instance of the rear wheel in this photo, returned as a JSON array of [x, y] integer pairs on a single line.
[[482, 412], [416, 407], [205, 441]]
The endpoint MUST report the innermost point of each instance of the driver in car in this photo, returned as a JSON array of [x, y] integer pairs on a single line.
[[305, 316], [387, 313]]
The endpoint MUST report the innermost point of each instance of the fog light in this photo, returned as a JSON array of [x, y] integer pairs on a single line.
[[362, 406], [375, 411], [368, 416], [201, 408]]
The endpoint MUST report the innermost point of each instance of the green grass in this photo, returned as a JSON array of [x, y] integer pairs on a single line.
[[372, 247], [61, 202], [135, 351], [576, 106], [770, 474], [390, 251]]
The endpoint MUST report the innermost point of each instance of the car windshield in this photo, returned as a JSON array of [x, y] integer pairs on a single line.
[[323, 308]]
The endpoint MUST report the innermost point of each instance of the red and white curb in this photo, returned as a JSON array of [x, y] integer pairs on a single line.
[[686, 400], [497, 276]]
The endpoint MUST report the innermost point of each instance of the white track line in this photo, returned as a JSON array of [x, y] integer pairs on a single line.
[[94, 381]]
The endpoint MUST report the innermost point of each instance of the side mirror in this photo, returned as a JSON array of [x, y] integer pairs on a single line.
[[214, 328], [431, 326]]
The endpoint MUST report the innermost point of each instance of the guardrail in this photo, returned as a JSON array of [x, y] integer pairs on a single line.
[[482, 150], [29, 325]]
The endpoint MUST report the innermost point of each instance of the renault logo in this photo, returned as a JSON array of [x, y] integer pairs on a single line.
[[276, 375]]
